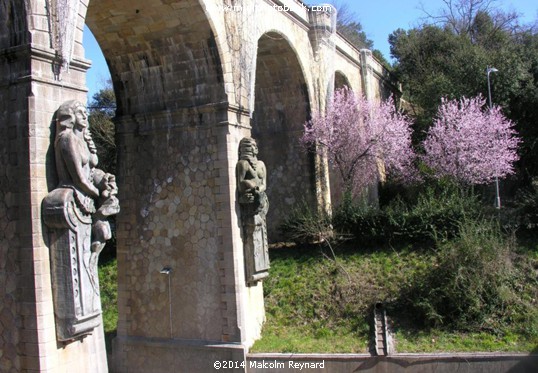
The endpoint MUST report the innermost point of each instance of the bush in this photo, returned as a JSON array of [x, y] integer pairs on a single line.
[[365, 223], [470, 285], [435, 211], [527, 207], [304, 225]]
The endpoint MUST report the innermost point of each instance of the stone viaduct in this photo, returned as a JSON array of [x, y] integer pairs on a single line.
[[192, 77]]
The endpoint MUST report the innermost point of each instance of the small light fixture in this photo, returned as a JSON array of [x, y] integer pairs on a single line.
[[497, 203], [166, 271]]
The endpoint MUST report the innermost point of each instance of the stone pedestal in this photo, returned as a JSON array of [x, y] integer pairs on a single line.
[[256, 247], [74, 275]]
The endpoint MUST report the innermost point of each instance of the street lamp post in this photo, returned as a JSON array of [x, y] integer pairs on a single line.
[[490, 70]]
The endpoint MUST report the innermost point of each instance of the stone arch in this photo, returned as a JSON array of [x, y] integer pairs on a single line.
[[169, 69], [341, 80], [13, 25], [161, 56], [281, 107]]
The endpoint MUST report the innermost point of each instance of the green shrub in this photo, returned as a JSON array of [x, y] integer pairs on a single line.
[[435, 211], [108, 283], [527, 207], [366, 224], [305, 225], [438, 212], [470, 286]]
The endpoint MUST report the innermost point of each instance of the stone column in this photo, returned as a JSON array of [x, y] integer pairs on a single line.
[[183, 298], [32, 87], [322, 36], [31, 92], [369, 91], [367, 74]]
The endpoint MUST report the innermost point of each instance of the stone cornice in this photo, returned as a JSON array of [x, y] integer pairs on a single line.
[[41, 54]]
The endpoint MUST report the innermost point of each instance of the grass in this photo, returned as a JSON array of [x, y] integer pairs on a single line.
[[108, 283], [443, 341], [317, 302]]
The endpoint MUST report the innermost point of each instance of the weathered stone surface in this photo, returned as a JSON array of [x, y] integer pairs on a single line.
[[188, 77], [251, 185], [75, 213], [397, 363]]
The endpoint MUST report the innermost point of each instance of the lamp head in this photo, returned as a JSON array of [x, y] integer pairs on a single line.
[[491, 70], [166, 270]]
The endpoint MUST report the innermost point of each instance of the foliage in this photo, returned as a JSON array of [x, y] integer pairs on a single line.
[[472, 145], [436, 211], [358, 136], [381, 58], [477, 19], [304, 225], [348, 25], [527, 207], [434, 340], [101, 111], [524, 105], [471, 284], [316, 304], [108, 283], [448, 56]]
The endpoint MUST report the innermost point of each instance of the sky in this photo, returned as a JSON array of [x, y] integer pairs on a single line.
[[379, 18]]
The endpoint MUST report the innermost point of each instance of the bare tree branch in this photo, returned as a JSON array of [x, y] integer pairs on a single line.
[[460, 16]]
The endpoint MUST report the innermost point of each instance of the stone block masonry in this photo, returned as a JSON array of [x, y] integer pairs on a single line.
[[191, 81]]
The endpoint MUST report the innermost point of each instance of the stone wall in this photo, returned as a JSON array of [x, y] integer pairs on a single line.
[[397, 363], [10, 223], [171, 219], [181, 213], [12, 123]]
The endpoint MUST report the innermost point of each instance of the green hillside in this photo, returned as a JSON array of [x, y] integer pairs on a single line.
[[317, 302]]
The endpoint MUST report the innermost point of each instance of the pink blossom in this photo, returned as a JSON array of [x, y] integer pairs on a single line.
[[358, 134], [469, 143]]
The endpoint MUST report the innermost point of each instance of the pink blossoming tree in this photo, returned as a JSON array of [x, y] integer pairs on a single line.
[[472, 144], [358, 136]]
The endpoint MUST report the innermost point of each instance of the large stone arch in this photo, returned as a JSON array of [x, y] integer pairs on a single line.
[[341, 80], [162, 56], [171, 73], [281, 108]]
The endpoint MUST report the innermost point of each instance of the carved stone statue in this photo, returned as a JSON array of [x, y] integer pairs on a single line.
[[251, 184], [75, 213]]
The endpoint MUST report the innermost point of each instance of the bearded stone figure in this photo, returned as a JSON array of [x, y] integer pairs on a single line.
[[75, 213], [251, 183]]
